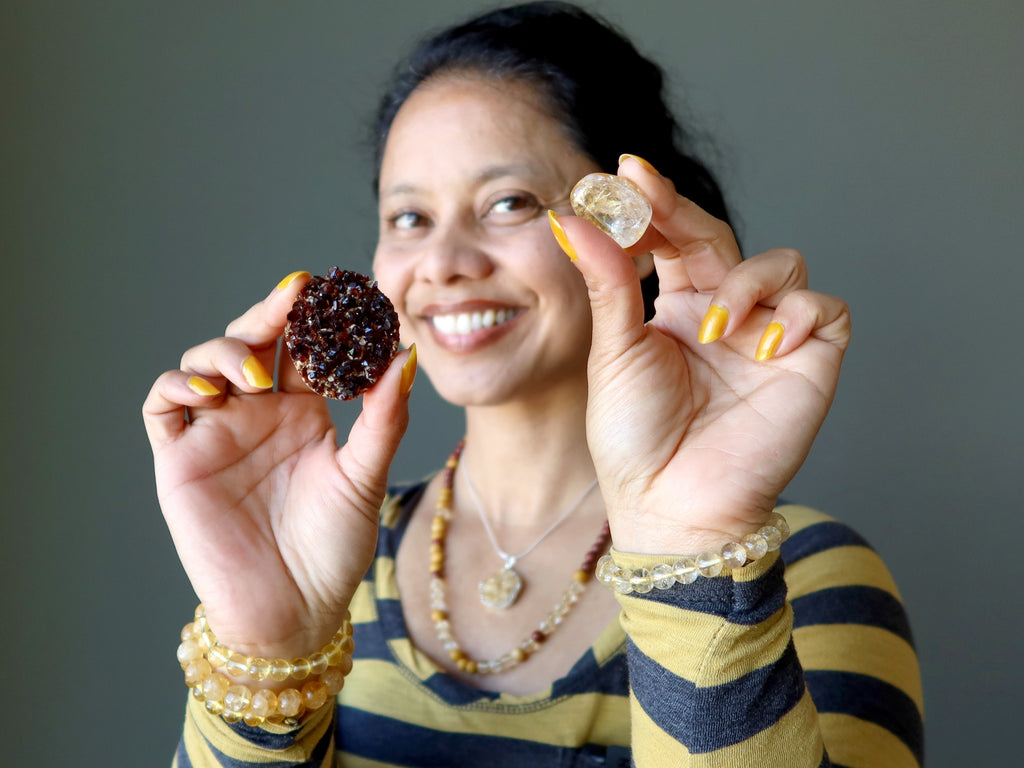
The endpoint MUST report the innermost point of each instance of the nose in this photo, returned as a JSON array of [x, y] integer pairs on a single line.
[[454, 251]]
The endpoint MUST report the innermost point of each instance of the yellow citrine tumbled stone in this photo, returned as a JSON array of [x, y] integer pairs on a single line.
[[614, 204]]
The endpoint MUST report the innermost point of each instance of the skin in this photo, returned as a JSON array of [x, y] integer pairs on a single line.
[[261, 500]]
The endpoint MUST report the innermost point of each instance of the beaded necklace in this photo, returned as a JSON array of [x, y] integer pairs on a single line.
[[439, 606]]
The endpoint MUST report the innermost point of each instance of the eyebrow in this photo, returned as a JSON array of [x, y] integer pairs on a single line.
[[487, 174]]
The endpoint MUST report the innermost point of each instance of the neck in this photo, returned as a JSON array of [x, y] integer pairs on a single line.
[[528, 464]]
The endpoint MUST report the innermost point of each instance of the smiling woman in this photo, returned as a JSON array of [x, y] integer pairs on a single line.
[[739, 630]]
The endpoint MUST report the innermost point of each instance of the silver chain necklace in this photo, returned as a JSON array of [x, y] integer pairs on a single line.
[[502, 588]]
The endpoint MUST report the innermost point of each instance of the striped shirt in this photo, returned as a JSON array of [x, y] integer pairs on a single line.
[[810, 664]]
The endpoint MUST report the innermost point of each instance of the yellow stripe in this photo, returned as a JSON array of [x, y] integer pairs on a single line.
[[864, 650], [610, 642], [839, 567], [802, 517], [419, 664], [697, 636], [382, 689], [354, 761], [384, 577], [860, 744], [198, 720], [363, 607], [220, 736], [793, 740]]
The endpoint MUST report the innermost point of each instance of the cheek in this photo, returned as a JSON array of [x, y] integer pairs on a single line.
[[393, 282]]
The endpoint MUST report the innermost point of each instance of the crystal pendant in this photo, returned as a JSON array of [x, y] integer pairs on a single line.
[[613, 204], [500, 590]]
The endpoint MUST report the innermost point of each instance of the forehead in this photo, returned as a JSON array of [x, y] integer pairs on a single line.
[[465, 117]]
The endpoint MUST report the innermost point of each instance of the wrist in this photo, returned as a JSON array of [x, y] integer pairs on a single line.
[[258, 689], [628, 572]]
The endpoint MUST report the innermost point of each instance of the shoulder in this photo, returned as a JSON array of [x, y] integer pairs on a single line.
[[823, 552]]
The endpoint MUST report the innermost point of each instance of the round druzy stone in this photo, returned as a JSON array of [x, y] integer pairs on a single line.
[[613, 204], [342, 334]]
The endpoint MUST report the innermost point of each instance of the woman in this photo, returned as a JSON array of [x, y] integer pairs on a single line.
[[680, 433]]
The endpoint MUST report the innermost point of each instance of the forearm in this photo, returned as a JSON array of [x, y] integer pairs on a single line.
[[714, 675]]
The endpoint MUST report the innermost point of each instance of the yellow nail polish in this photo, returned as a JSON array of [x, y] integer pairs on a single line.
[[713, 325], [560, 236], [769, 343], [256, 374], [289, 279], [644, 164], [409, 371], [202, 387]]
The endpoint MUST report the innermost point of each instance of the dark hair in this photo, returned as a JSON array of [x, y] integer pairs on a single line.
[[609, 98]]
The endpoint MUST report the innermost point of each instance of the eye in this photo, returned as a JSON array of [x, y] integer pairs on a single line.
[[513, 207], [406, 220]]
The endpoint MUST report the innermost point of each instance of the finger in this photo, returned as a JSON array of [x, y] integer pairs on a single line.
[[762, 280], [374, 437], [263, 323], [692, 249], [165, 410], [616, 302], [801, 315], [232, 360]]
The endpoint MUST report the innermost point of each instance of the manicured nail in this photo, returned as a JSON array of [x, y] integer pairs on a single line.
[[256, 374], [646, 166], [713, 325], [770, 340], [289, 279], [202, 387], [409, 372], [560, 236]]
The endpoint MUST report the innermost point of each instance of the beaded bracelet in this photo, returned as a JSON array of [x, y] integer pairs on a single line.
[[686, 570], [208, 667]]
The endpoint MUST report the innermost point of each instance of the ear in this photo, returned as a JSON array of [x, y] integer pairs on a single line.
[[644, 264]]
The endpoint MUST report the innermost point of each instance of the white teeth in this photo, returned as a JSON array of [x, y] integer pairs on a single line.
[[466, 322]]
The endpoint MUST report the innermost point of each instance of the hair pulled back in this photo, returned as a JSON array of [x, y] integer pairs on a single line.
[[607, 96]]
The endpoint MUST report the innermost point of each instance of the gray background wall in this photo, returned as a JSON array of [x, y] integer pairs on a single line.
[[164, 164]]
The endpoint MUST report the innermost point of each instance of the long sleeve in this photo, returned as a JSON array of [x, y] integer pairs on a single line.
[[209, 742], [803, 665]]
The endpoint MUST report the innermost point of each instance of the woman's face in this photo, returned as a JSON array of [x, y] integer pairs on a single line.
[[495, 308]]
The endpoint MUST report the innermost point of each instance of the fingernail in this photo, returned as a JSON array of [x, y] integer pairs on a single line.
[[289, 279], [256, 374], [713, 325], [202, 387], [409, 372], [560, 236], [646, 166], [769, 343]]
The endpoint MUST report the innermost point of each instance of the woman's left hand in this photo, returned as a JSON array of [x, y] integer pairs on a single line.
[[697, 420]]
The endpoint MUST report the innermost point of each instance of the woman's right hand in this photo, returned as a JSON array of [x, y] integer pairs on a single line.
[[274, 524]]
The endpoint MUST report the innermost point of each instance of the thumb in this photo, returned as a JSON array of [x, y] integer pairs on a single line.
[[616, 303], [374, 438]]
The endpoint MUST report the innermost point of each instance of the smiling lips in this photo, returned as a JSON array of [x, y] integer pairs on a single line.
[[467, 329]]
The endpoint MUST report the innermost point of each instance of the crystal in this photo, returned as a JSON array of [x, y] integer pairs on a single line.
[[500, 589], [756, 546], [709, 564], [289, 702], [197, 671], [641, 581], [685, 570], [334, 679], [264, 703], [772, 535], [237, 699], [613, 204], [314, 694], [779, 522], [734, 554], [662, 575]]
